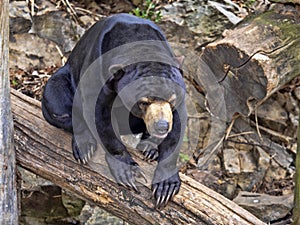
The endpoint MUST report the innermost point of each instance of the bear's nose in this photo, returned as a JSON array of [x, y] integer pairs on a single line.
[[161, 126]]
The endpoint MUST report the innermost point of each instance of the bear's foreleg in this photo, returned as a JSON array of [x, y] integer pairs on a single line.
[[122, 167], [166, 182]]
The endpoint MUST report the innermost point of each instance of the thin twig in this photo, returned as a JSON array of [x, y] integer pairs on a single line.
[[32, 7], [230, 127], [86, 11], [240, 134], [70, 9], [63, 58], [257, 126], [285, 138], [201, 116], [212, 152]]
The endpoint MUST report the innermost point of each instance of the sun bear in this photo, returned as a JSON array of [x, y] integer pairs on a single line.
[[122, 78]]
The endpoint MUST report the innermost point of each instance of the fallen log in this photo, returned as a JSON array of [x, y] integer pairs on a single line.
[[251, 62], [8, 187], [46, 151], [238, 72]]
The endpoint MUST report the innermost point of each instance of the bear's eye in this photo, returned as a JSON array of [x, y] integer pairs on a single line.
[[143, 104]]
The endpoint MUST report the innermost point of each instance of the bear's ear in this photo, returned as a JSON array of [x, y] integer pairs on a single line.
[[116, 70], [172, 100], [179, 61]]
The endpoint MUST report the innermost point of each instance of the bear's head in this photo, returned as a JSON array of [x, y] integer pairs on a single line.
[[157, 115], [151, 91]]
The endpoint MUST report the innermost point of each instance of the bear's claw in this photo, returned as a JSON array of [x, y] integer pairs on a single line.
[[124, 170], [83, 153], [151, 154], [148, 149], [165, 190]]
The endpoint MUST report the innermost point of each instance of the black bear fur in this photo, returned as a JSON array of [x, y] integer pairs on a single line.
[[60, 107]]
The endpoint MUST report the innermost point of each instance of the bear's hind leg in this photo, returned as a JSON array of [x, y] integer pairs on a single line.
[[57, 100], [57, 107]]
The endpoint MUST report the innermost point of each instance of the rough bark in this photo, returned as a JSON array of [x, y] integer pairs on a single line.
[[46, 151], [251, 62], [8, 190]]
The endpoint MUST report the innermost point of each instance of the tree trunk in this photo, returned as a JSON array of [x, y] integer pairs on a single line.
[[250, 63], [8, 187], [46, 151]]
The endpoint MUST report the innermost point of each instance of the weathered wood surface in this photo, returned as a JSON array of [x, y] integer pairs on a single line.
[[251, 62], [46, 151], [8, 188]]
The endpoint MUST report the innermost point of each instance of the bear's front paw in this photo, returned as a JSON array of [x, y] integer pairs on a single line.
[[124, 170], [148, 149], [165, 190], [83, 151]]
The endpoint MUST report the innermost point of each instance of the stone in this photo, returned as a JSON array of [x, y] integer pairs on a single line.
[[297, 92], [231, 161], [29, 51], [54, 26], [266, 207]]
